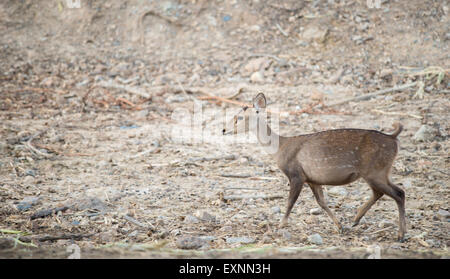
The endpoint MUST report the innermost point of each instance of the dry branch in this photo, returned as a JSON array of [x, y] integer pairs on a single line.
[[371, 95], [241, 197]]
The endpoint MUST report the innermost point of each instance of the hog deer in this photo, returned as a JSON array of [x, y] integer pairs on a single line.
[[333, 157]]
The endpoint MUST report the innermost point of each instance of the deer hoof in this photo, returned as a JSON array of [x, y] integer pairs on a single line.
[[283, 224]]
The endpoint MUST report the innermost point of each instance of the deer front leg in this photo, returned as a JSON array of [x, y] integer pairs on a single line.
[[296, 185], [318, 194]]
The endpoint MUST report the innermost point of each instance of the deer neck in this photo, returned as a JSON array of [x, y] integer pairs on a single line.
[[268, 138]]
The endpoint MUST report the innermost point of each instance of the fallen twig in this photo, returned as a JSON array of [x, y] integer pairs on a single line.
[[137, 223], [35, 150], [371, 95], [207, 159], [47, 212], [130, 89], [397, 113], [151, 150], [241, 197], [54, 237], [235, 175]]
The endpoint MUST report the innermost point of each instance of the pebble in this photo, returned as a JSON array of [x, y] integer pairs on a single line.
[[315, 239], [407, 183], [191, 242], [257, 77], [189, 219], [443, 213], [242, 240], [285, 234], [205, 216], [425, 133], [314, 33], [315, 211], [385, 224], [337, 191], [27, 203], [276, 210]]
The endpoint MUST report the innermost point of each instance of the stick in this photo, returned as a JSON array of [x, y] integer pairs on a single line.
[[236, 175], [130, 89], [241, 197], [397, 113], [136, 222], [151, 150], [55, 237], [376, 93], [47, 212], [35, 150], [281, 30]]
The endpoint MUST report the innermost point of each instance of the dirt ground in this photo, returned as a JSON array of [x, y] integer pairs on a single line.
[[88, 159]]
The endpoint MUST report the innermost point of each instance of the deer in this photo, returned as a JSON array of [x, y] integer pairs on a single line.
[[331, 157]]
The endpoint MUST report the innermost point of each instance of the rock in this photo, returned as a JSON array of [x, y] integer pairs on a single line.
[[226, 228], [28, 180], [255, 65], [315, 211], [106, 237], [92, 203], [7, 243], [337, 191], [205, 216], [242, 240], [133, 233], [238, 216], [266, 239], [443, 214], [275, 210], [208, 238], [27, 203], [385, 224], [191, 242], [386, 74], [407, 183], [285, 234], [257, 77], [425, 133], [315, 34], [315, 239], [189, 219]]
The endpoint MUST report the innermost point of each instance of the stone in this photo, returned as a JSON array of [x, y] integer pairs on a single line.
[[189, 219], [315, 34], [205, 216], [315, 239], [191, 242], [27, 202], [443, 214], [425, 133], [285, 234], [315, 211], [337, 191], [257, 77], [275, 210], [242, 240]]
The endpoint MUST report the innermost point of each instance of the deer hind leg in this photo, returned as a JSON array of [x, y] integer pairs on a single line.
[[296, 185], [376, 195], [388, 188], [318, 194]]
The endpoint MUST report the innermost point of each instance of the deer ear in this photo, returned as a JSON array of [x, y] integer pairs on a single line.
[[259, 101]]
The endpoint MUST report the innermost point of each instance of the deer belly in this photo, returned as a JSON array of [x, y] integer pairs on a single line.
[[331, 175]]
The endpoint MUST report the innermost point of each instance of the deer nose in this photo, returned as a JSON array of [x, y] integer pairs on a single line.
[[223, 131]]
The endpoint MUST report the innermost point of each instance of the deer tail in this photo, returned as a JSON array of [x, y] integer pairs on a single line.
[[398, 129]]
